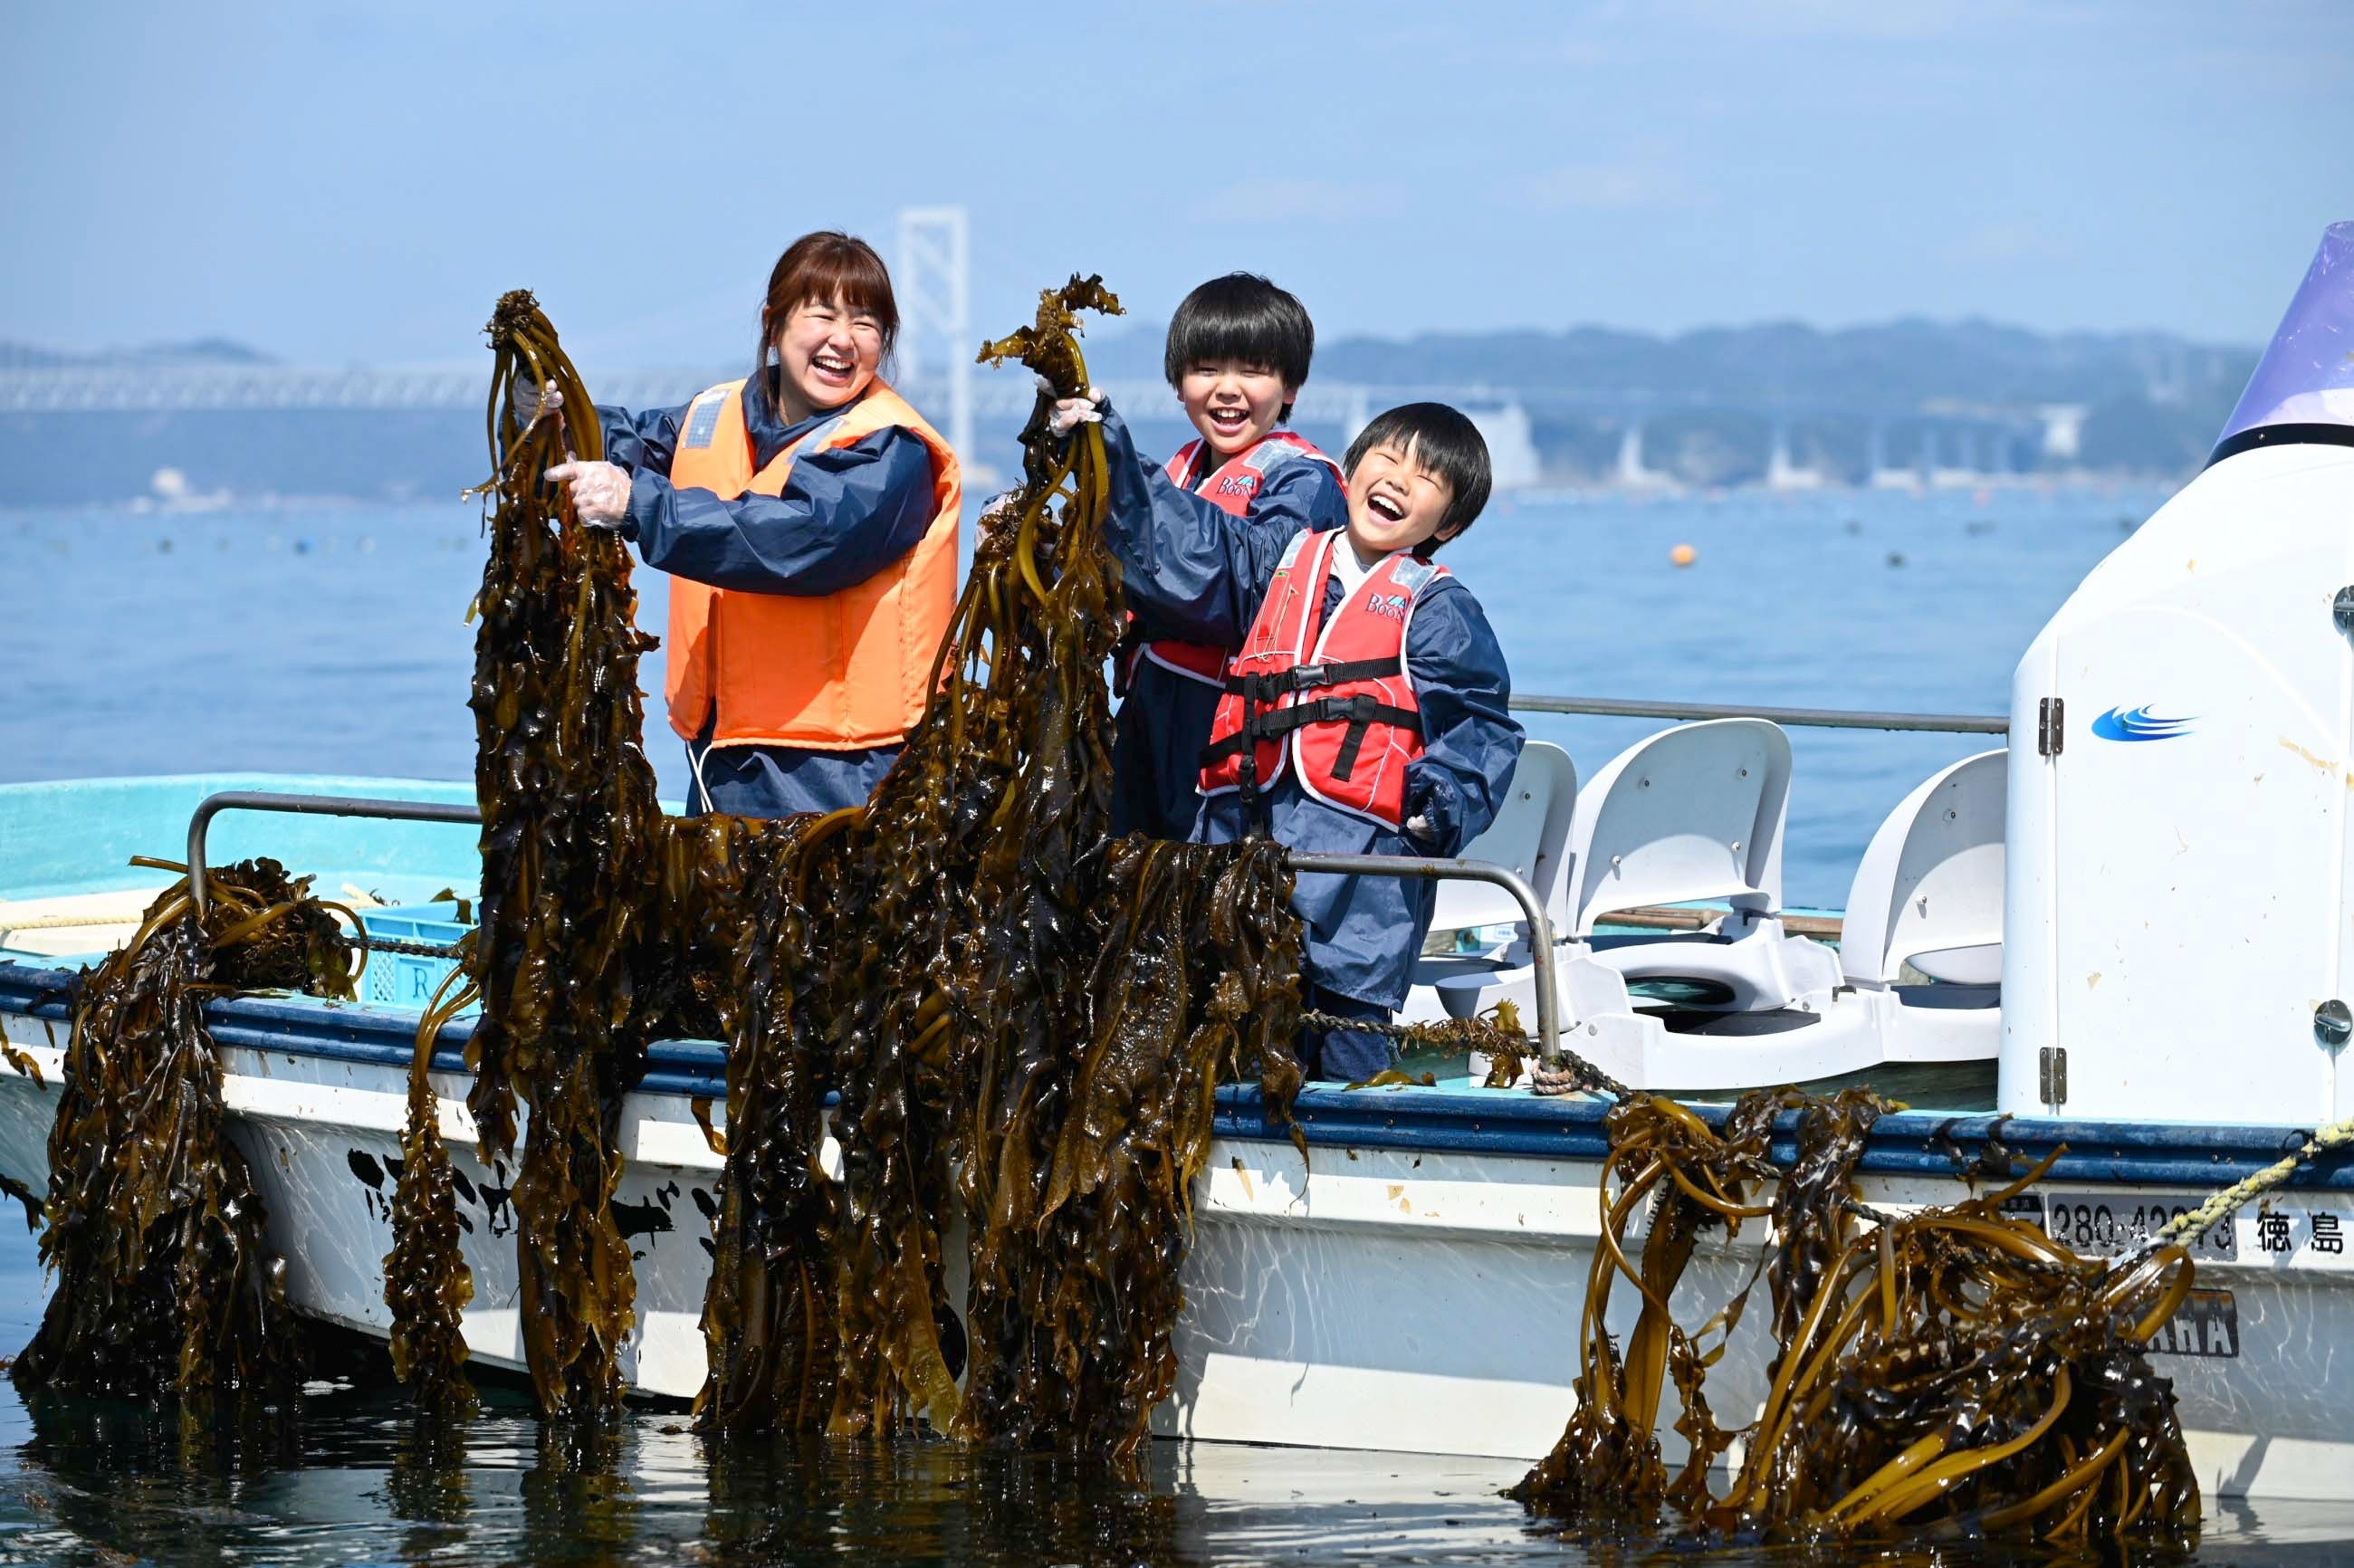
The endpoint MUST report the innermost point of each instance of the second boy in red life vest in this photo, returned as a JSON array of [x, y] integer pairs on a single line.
[[1366, 710], [1238, 352]]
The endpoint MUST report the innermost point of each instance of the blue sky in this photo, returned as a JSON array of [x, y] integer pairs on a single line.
[[338, 183]]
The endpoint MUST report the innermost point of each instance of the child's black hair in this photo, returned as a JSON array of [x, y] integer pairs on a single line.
[[1445, 441], [1241, 316]]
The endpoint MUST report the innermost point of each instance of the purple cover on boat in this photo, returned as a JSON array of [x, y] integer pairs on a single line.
[[2306, 377]]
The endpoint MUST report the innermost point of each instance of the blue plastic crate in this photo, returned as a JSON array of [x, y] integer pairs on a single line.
[[409, 980]]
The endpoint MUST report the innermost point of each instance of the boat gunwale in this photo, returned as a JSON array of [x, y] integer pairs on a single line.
[[1415, 1118]]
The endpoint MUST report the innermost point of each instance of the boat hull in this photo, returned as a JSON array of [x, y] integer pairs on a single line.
[[1412, 1284]]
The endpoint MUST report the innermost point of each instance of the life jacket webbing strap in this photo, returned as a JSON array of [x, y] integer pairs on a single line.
[[1307, 677], [1360, 712]]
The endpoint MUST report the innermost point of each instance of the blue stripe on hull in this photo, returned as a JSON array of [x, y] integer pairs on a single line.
[[1912, 1143]]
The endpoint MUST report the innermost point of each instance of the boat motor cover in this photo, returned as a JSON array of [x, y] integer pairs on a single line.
[[2306, 375]]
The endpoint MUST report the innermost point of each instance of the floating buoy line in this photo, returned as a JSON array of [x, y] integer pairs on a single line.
[[1021, 1020]]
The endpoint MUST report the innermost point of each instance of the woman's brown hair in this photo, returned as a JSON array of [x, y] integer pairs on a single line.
[[824, 266]]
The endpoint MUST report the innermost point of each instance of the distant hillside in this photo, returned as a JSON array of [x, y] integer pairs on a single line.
[[1904, 362], [1708, 399]]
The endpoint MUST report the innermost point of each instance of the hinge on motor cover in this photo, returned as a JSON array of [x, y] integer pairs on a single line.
[[2049, 716], [2052, 1075]]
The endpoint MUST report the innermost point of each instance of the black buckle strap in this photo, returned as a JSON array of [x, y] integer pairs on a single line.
[[1360, 713], [1307, 677], [1257, 819]]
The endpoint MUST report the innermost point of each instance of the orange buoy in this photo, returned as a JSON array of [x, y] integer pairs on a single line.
[[1683, 554]]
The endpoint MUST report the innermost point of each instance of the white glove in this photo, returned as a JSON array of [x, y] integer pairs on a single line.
[[531, 402], [600, 492], [1069, 413], [1418, 827]]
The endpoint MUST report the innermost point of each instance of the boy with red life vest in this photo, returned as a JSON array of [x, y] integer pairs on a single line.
[[1365, 711], [1237, 355]]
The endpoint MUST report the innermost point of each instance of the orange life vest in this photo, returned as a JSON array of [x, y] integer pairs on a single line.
[[838, 672], [1333, 701], [1233, 488]]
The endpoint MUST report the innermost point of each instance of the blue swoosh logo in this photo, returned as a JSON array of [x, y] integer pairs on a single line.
[[2136, 724]]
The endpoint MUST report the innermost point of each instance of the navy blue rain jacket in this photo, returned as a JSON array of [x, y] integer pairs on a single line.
[[845, 515], [1165, 719], [1196, 573]]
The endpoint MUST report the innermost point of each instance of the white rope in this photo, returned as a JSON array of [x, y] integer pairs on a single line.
[[2336, 1134]]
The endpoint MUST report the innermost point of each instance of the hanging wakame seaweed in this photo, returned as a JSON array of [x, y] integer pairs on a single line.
[[571, 834], [1949, 1372], [1024, 1019], [166, 1282]]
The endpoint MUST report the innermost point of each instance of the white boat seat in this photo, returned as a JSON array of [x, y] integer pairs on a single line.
[[1928, 891], [1690, 813], [1528, 836], [1530, 828], [1978, 965], [1695, 814], [1751, 974]]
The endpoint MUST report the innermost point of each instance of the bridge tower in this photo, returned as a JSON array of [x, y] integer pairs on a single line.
[[932, 280]]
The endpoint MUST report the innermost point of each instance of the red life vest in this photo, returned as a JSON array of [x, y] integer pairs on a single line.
[[1333, 701], [1233, 488]]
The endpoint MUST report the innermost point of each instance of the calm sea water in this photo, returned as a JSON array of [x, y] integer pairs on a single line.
[[332, 640]]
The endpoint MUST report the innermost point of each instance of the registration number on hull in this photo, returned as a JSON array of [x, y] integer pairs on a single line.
[[2100, 1226]]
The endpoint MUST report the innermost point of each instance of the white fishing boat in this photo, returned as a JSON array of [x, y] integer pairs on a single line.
[[2124, 940]]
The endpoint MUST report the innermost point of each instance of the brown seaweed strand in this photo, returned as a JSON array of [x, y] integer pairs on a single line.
[[767, 1314], [570, 832], [426, 1284], [167, 1282], [1953, 1370]]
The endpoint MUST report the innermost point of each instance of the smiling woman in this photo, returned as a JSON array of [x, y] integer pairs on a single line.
[[810, 515]]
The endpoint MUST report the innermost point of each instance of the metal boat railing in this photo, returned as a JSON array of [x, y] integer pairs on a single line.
[[1540, 950], [307, 806], [1799, 718], [1540, 929]]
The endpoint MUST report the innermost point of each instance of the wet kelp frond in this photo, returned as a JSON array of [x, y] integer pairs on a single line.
[[166, 1282], [1080, 1193], [1953, 1371], [570, 835], [741, 892], [426, 1284]]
